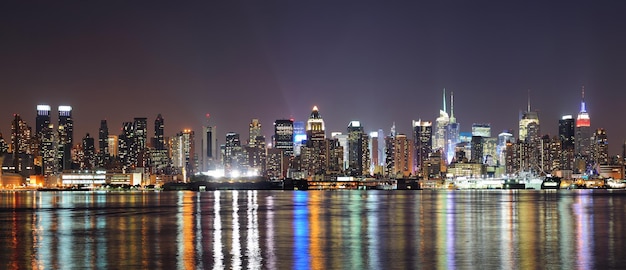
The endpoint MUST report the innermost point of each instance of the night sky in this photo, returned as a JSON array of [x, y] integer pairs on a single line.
[[377, 62]]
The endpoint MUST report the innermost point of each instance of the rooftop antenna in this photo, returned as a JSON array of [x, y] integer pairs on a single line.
[[582, 103], [452, 119], [444, 99], [528, 100]]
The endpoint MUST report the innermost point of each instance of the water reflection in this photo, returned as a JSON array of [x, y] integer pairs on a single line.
[[313, 230]]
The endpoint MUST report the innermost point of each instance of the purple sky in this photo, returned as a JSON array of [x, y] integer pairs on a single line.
[[377, 62]]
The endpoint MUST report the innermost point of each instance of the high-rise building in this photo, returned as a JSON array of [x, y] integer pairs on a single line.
[[183, 151], [441, 128], [140, 128], [482, 130], [103, 144], [600, 147], [159, 130], [342, 139], [583, 132], [315, 126], [210, 148], [49, 151], [453, 133], [529, 125], [567, 142], [89, 152], [159, 159], [477, 150], [422, 140], [127, 147], [403, 157], [358, 156], [315, 159], [43, 118], [113, 141], [299, 136], [20, 143], [254, 131], [233, 152], [503, 138], [283, 136], [66, 137], [374, 153]]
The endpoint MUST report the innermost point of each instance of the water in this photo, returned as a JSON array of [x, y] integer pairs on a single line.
[[314, 230]]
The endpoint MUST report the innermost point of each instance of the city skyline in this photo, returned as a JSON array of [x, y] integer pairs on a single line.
[[372, 62]]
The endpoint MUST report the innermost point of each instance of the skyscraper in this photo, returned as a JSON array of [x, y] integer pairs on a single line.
[[183, 151], [567, 140], [232, 152], [453, 132], [210, 147], [159, 128], [158, 155], [283, 136], [299, 136], [358, 155], [600, 147], [20, 143], [103, 143], [441, 128], [583, 131], [254, 131], [89, 152], [422, 140], [315, 129], [43, 118], [529, 125], [66, 137]]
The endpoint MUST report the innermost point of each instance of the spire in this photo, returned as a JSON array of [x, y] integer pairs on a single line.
[[582, 103], [393, 129], [528, 100], [452, 119], [444, 99]]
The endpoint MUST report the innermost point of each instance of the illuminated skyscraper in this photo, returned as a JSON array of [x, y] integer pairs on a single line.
[[299, 136], [113, 145], [255, 131], [20, 143], [127, 146], [43, 118], [422, 140], [183, 151], [482, 130], [210, 148], [358, 154], [453, 132], [314, 154], [140, 128], [89, 152], [529, 125], [66, 137], [567, 140], [583, 131], [441, 128], [283, 136], [600, 147], [315, 126], [103, 144], [159, 159], [232, 152], [159, 130]]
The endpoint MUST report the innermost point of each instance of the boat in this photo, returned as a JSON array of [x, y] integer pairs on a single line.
[[615, 183], [551, 182]]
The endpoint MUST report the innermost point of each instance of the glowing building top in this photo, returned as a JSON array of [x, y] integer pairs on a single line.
[[315, 126], [583, 119]]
